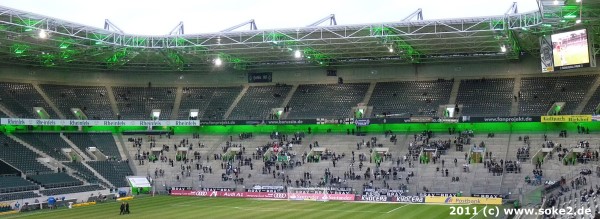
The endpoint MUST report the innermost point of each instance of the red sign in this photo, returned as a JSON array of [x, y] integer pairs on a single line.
[[271, 195]]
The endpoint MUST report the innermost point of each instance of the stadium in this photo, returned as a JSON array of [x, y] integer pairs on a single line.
[[469, 117]]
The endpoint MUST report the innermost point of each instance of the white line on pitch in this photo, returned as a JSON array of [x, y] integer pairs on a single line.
[[396, 209]]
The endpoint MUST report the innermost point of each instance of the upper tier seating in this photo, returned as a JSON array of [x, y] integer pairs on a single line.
[[55, 180], [486, 97], [20, 156], [93, 101], [211, 102], [102, 141], [21, 98], [258, 101], [539, 93], [15, 184], [326, 100], [138, 102], [113, 171], [49, 143], [410, 97], [592, 103]]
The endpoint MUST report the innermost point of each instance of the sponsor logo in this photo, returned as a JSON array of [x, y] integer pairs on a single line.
[[16, 121], [186, 123], [150, 123], [379, 198], [113, 123], [201, 193], [487, 195], [78, 123], [463, 200], [279, 195], [410, 199], [567, 118]]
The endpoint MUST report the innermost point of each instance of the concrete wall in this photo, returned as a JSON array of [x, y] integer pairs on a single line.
[[528, 66]]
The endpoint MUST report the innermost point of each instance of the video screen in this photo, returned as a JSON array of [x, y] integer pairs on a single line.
[[570, 48]]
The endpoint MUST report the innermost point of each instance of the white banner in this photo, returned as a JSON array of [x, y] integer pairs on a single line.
[[67, 122]]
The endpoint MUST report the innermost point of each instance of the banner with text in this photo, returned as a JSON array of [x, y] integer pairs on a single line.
[[463, 200], [269, 195], [567, 118], [67, 122]]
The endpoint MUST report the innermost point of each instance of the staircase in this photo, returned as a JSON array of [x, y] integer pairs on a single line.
[[235, 102], [514, 109], [369, 93], [74, 147], [122, 148], [7, 112], [177, 103], [454, 91], [47, 99], [113, 102]]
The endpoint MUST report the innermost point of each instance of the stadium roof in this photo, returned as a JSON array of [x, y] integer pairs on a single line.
[[65, 44]]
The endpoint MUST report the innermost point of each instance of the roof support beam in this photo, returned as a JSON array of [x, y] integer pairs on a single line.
[[112, 27], [178, 30], [513, 9], [250, 22], [330, 18], [418, 14]]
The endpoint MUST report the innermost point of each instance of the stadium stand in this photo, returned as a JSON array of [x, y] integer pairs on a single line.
[[93, 101], [69, 190], [486, 97], [16, 184], [83, 172], [138, 102], [103, 141], [537, 94], [592, 103], [212, 102], [325, 100], [20, 156], [258, 101], [20, 99], [55, 180], [49, 143], [18, 195], [113, 171], [410, 97], [3, 115]]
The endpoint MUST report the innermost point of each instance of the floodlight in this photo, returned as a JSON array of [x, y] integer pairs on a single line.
[[42, 34], [503, 48], [218, 62], [578, 21], [297, 54]]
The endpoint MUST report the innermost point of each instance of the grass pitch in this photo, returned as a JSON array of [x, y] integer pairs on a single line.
[[197, 207]]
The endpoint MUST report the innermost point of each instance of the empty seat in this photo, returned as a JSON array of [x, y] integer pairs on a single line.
[[138, 102], [69, 190], [92, 100], [20, 99], [113, 171], [54, 180], [16, 184], [405, 98], [326, 100], [486, 97], [539, 93], [258, 101], [212, 102]]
